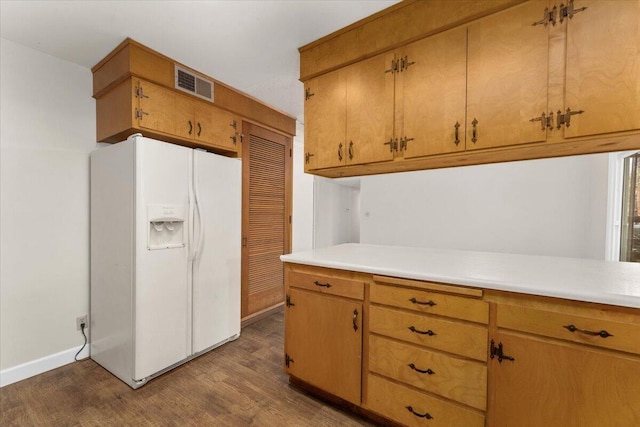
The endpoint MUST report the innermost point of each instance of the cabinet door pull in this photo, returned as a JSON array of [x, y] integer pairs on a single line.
[[428, 371], [199, 129], [340, 151], [350, 150], [456, 137], [418, 331], [390, 144], [190, 127], [323, 285], [429, 303], [355, 320], [602, 333], [474, 130], [425, 415]]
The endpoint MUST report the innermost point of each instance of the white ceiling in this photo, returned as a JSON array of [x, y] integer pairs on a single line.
[[250, 45]]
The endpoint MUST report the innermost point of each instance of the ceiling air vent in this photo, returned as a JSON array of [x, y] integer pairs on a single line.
[[189, 82]]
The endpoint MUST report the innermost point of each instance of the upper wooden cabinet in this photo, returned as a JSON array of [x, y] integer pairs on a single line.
[[528, 80], [349, 116], [602, 76], [140, 106], [430, 95], [135, 91], [507, 78]]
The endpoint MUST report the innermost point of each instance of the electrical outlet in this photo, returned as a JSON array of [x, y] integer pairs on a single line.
[[80, 320]]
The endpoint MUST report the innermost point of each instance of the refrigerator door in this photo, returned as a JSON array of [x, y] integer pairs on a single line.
[[217, 238], [162, 291]]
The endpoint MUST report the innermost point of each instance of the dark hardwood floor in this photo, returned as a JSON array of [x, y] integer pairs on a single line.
[[239, 384]]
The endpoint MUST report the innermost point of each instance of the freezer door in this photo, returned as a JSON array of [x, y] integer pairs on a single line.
[[162, 291], [217, 237]]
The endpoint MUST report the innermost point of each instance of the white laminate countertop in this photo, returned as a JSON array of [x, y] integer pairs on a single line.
[[606, 282]]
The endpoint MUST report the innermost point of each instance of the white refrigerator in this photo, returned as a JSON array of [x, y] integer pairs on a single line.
[[165, 256]]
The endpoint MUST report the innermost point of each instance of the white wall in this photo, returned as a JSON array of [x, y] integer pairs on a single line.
[[554, 207], [332, 213], [47, 120], [302, 238]]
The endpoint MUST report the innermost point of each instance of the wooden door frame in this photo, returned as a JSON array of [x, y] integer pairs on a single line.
[[287, 140]]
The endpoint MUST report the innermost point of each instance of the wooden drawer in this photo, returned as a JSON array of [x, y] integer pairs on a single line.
[[450, 336], [461, 380], [474, 310], [572, 325], [409, 407], [327, 284]]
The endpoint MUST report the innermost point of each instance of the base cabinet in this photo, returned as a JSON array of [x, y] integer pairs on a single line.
[[323, 336], [563, 385], [420, 353]]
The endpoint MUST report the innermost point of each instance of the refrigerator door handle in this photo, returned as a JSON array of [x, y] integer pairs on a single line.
[[197, 244]]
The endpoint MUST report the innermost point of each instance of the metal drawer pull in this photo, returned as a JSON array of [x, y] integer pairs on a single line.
[[428, 371], [429, 303], [417, 331], [602, 333], [324, 285], [425, 415], [355, 320]]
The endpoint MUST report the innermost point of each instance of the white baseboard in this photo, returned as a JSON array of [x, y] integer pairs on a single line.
[[38, 366]]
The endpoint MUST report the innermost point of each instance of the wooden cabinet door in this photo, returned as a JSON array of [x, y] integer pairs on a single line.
[[507, 78], [430, 94], [325, 120], [603, 67], [166, 111], [324, 346], [215, 127], [369, 110], [562, 385]]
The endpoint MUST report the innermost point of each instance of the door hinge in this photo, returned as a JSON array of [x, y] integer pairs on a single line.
[[548, 18], [545, 121], [568, 11], [307, 157], [287, 360], [290, 152], [395, 65], [244, 242], [403, 142], [288, 301], [289, 219], [565, 119], [393, 144], [404, 63], [497, 351], [139, 113], [308, 94], [140, 92]]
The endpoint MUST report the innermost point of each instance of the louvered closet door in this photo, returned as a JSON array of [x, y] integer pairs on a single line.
[[266, 188]]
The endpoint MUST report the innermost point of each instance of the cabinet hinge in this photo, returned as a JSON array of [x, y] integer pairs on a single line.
[[307, 157], [287, 360], [548, 18], [290, 152], [404, 63], [497, 351], [403, 142], [139, 113], [308, 94], [568, 11], [288, 301], [545, 121], [565, 119], [395, 65], [289, 219]]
